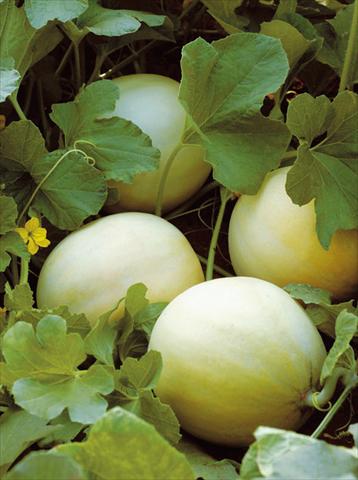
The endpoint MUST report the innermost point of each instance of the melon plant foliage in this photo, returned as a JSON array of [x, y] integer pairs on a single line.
[[264, 85]]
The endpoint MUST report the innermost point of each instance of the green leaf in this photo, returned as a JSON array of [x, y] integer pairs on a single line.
[[63, 430], [133, 392], [328, 171], [73, 191], [48, 381], [22, 144], [108, 22], [308, 294], [101, 339], [11, 243], [289, 455], [10, 78], [135, 327], [346, 328], [69, 188], [20, 41], [139, 374], [241, 157], [8, 214], [205, 466], [39, 12], [48, 351], [143, 452], [285, 7], [76, 322], [81, 395], [224, 12], [50, 465], [18, 298], [19, 430], [119, 148], [294, 43], [152, 410], [309, 117], [223, 103], [336, 33], [319, 306]]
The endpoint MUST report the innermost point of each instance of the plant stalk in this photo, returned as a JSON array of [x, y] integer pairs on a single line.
[[182, 210], [352, 42], [320, 399], [337, 405], [14, 270], [77, 65], [24, 272], [217, 269], [163, 179], [15, 104], [225, 196], [64, 59], [128, 60]]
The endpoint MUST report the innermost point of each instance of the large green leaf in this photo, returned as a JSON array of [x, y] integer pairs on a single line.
[[45, 366], [119, 148], [294, 43], [319, 306], [11, 243], [73, 190], [20, 41], [39, 12], [69, 188], [222, 89], [8, 214], [289, 456], [108, 22], [336, 33], [122, 446], [47, 466], [18, 430], [327, 171], [224, 12], [10, 78], [346, 328], [205, 466]]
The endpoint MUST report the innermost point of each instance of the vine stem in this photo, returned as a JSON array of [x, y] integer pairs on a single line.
[[225, 196], [163, 180], [15, 104], [352, 42], [24, 272], [217, 269], [14, 270], [321, 398], [76, 51], [289, 154], [327, 419], [182, 210], [128, 60], [34, 193], [64, 59]]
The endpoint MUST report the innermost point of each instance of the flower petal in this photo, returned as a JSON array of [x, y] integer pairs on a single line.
[[42, 242], [32, 224], [39, 234], [24, 234], [32, 247]]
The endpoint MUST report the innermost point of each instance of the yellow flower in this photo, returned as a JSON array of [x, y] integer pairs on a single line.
[[33, 235]]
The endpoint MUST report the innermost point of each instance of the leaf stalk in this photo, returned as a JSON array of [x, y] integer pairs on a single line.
[[16, 105], [352, 42], [163, 179], [225, 196]]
